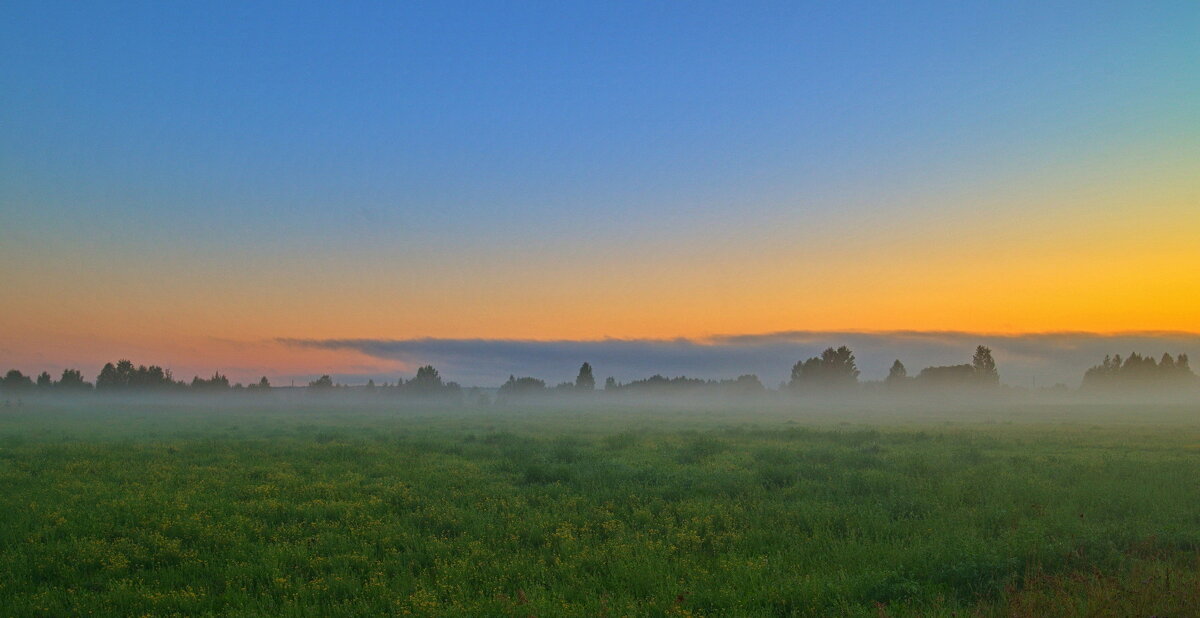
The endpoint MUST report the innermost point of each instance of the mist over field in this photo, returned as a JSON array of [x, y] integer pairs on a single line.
[[360, 507]]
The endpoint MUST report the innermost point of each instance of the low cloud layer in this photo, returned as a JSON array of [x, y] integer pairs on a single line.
[[1040, 359]]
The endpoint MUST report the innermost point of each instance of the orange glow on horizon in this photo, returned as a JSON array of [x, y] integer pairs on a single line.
[[1087, 263]]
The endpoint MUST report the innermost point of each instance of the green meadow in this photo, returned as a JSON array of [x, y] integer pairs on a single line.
[[318, 510]]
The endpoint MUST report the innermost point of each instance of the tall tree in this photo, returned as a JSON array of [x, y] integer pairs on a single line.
[[585, 380], [985, 366], [125, 373]]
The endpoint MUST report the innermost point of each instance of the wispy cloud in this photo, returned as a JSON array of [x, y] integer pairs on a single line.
[[1024, 359]]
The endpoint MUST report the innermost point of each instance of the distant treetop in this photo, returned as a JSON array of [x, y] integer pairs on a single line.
[[585, 380], [833, 369]]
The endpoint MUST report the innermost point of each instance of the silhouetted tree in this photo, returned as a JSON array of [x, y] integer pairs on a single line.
[[805, 371], [263, 385], [217, 382], [124, 375], [153, 377], [125, 371], [428, 385], [44, 381], [16, 382], [108, 378], [834, 369], [610, 383], [585, 380], [322, 383], [985, 366], [72, 380], [897, 375], [981, 372], [150, 376], [427, 382], [521, 387]]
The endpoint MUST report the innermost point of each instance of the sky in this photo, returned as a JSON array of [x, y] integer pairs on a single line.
[[246, 187]]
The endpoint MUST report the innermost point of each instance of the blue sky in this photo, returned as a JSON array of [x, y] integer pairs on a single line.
[[176, 174], [305, 119]]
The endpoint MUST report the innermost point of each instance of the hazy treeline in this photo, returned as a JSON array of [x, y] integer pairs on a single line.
[[980, 372], [427, 384], [1137, 371], [834, 372]]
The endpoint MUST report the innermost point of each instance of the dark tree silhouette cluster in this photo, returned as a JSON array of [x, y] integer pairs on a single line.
[[517, 388], [832, 370], [15, 382], [125, 376], [217, 383], [658, 384], [981, 372], [120, 377], [262, 386], [322, 383], [426, 385], [1137, 371]]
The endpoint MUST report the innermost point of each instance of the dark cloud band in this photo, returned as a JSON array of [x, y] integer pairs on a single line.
[[1040, 359]]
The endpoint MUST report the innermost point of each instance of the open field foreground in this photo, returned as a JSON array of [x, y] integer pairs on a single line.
[[142, 509]]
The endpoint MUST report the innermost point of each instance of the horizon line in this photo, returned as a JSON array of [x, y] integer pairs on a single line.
[[722, 336]]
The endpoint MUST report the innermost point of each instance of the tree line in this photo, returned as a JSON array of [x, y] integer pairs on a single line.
[[833, 370], [1137, 371], [980, 372], [427, 383]]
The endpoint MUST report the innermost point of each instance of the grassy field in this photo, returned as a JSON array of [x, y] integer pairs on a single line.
[[139, 509]]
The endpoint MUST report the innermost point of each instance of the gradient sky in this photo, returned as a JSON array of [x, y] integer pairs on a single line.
[[190, 184]]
